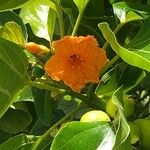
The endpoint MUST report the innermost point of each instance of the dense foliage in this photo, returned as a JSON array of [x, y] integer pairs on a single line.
[[43, 95]]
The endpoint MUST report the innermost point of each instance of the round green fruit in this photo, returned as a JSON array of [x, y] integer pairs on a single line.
[[129, 105], [95, 115], [144, 126], [134, 132], [111, 108], [38, 71]]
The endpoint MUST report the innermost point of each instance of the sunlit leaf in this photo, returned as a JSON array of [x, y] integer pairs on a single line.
[[124, 13], [36, 16], [137, 57], [89, 135], [9, 16], [12, 32], [81, 4], [122, 8], [13, 75]]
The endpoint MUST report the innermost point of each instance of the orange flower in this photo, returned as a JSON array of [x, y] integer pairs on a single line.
[[77, 61]]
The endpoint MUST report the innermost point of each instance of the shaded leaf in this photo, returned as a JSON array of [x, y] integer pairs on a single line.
[[18, 142], [13, 75], [11, 4], [110, 84], [43, 105], [14, 121]]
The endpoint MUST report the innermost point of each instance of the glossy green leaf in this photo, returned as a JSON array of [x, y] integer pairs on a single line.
[[81, 4], [124, 13], [137, 57], [11, 4], [13, 75], [43, 105], [122, 8], [120, 123], [14, 121], [18, 142], [8, 16], [89, 135], [12, 32]]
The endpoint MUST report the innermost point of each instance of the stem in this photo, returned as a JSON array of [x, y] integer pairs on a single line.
[[47, 133], [115, 32], [77, 22], [41, 85], [110, 64], [61, 23]]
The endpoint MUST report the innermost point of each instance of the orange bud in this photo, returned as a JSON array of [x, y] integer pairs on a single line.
[[36, 48]]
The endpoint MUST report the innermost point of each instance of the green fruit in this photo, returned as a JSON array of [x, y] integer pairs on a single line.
[[144, 126], [128, 106], [38, 71], [111, 108], [134, 132], [95, 115]]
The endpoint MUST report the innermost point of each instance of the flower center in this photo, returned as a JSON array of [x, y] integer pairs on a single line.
[[74, 57], [76, 61]]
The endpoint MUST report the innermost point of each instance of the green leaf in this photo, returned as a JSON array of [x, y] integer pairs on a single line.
[[137, 57], [17, 142], [122, 8], [9, 16], [142, 39], [51, 23], [12, 32], [120, 123], [124, 13], [36, 14], [81, 4], [25, 95], [14, 121], [110, 84], [89, 135], [43, 105], [13, 75], [129, 76], [11, 4]]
